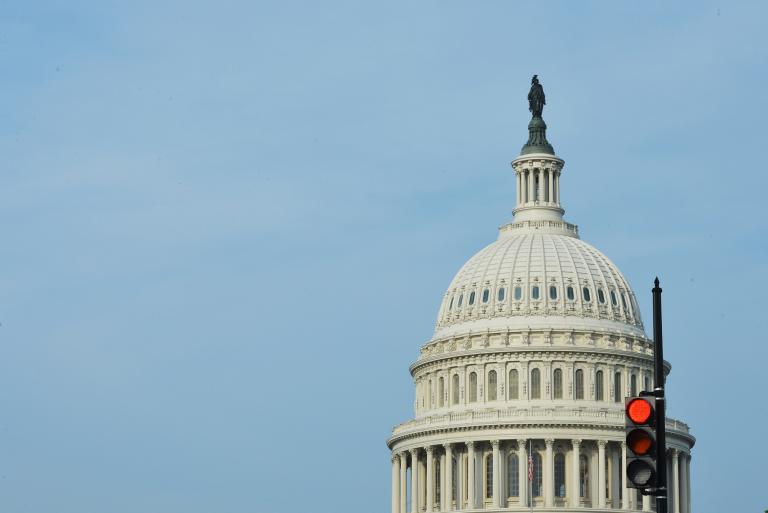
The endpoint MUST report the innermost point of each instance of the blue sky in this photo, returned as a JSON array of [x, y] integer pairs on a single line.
[[227, 227]]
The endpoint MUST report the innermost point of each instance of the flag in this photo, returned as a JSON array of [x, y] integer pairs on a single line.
[[530, 467]]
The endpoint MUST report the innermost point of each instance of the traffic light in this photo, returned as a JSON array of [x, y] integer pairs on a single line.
[[641, 442]]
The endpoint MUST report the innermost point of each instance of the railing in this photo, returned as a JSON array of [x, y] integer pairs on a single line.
[[521, 415]]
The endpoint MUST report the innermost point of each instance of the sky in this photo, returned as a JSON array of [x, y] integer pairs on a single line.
[[227, 228]]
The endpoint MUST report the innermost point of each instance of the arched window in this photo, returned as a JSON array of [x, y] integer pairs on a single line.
[[579, 384], [489, 476], [461, 298], [535, 292], [601, 296], [557, 386], [617, 388], [583, 476], [535, 384], [559, 475], [518, 293], [584, 293], [513, 475], [501, 294], [633, 385], [552, 292], [492, 385], [450, 305], [472, 298], [455, 389], [613, 298], [486, 293], [472, 387], [599, 385], [536, 487], [513, 385], [569, 293], [437, 481], [441, 392]]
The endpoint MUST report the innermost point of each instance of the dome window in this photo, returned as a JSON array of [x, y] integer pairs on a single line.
[[461, 300], [501, 294], [518, 293], [485, 295], [584, 292], [535, 292], [569, 293], [601, 296], [552, 292], [472, 298], [624, 302], [450, 305], [613, 298]]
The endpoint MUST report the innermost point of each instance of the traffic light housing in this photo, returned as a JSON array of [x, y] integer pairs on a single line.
[[640, 430]]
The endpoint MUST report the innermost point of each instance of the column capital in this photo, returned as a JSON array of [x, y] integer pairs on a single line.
[[430, 449], [495, 444], [448, 448], [576, 442], [395, 458], [470, 445], [550, 442], [522, 442], [602, 443], [414, 453], [403, 456], [623, 445], [674, 452]]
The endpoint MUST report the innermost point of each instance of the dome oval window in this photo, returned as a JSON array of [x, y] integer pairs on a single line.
[[601, 296], [461, 300], [535, 292], [518, 293], [569, 293], [584, 292], [472, 298], [485, 295], [552, 292], [613, 298], [501, 294]]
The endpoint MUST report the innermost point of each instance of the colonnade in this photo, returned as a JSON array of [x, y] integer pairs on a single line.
[[542, 185], [523, 473]]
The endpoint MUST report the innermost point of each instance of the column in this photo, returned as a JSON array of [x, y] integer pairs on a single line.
[[549, 475], [448, 491], [683, 484], [414, 480], [531, 183], [471, 475], [403, 481], [624, 489], [550, 182], [646, 502], [496, 474], [518, 189], [576, 475], [615, 477], [688, 483], [430, 477], [522, 450], [675, 488], [601, 473], [395, 483]]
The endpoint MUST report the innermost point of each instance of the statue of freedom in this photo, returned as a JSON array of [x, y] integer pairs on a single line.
[[536, 100]]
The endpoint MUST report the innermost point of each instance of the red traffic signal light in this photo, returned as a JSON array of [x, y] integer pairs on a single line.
[[641, 441]]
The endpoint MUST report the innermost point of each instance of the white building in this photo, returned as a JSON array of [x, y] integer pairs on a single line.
[[537, 343]]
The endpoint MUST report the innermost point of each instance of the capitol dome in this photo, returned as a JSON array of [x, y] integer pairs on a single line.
[[531, 277], [519, 394]]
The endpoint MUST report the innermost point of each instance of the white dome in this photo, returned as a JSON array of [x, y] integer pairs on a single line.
[[577, 287]]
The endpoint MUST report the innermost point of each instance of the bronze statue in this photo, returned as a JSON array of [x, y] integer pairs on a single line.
[[536, 100]]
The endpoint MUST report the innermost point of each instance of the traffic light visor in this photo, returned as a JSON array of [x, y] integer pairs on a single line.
[[639, 411], [639, 442]]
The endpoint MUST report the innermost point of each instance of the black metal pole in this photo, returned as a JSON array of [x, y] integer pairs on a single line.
[[661, 418]]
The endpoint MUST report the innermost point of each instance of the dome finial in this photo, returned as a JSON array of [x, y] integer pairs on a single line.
[[537, 129]]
